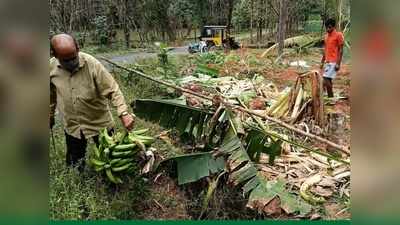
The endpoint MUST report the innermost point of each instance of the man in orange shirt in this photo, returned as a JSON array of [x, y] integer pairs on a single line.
[[333, 53]]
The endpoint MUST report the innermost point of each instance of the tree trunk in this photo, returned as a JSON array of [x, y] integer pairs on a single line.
[[251, 21], [229, 19], [266, 21], [71, 16], [125, 24], [339, 5], [282, 26]]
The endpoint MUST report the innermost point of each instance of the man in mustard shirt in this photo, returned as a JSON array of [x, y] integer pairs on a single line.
[[81, 89]]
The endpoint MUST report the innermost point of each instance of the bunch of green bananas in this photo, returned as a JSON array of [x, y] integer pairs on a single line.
[[115, 154]]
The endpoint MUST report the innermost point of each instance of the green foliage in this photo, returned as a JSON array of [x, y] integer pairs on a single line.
[[165, 67], [232, 58], [258, 142], [241, 14], [191, 123], [101, 29], [163, 54], [211, 58], [246, 175], [183, 11], [203, 62], [247, 96], [268, 190], [314, 26], [203, 69], [193, 167], [253, 61]]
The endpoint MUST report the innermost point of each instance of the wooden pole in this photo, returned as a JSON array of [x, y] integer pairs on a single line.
[[342, 149]]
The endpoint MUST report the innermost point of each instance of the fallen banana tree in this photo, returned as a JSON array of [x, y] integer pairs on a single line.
[[197, 125], [308, 90], [243, 171], [301, 41], [233, 156], [237, 151], [227, 104]]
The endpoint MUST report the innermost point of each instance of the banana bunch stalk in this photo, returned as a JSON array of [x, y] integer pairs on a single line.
[[115, 154]]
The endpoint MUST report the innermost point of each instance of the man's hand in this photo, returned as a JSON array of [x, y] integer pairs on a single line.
[[337, 67], [322, 66], [128, 121]]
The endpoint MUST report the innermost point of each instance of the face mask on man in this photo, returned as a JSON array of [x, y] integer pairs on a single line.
[[70, 64]]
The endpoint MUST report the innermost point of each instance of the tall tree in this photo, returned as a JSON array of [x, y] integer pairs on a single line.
[[282, 26], [230, 4], [251, 21]]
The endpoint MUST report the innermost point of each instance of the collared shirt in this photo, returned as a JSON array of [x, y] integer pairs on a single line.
[[82, 97], [332, 42]]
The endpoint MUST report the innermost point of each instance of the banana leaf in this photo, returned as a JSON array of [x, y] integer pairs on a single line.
[[204, 69], [244, 173], [193, 167], [242, 170], [265, 191], [258, 142], [190, 122]]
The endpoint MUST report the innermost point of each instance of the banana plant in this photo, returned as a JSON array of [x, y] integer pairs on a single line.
[[243, 172], [237, 158], [192, 124]]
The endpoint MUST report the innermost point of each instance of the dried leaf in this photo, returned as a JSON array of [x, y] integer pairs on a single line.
[[273, 207], [305, 187], [324, 192]]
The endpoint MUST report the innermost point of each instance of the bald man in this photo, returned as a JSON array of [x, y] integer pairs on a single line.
[[81, 88]]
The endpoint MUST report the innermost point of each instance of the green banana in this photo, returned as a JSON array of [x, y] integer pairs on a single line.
[[122, 154], [121, 168], [141, 131], [125, 147], [121, 137], [99, 168], [119, 180], [106, 152], [115, 154], [115, 161], [122, 162], [96, 162], [96, 151], [105, 138], [112, 178], [117, 137], [144, 139]]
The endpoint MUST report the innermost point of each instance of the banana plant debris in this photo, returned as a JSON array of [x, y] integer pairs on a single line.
[[247, 133]]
